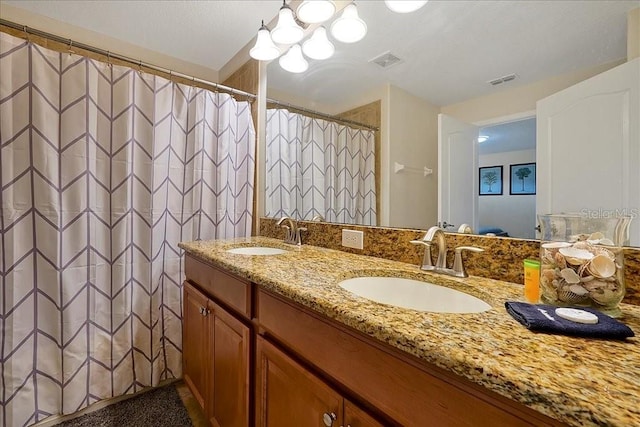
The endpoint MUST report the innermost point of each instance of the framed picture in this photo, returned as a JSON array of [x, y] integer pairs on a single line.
[[523, 178], [491, 181]]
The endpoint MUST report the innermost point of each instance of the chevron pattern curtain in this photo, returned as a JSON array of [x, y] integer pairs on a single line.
[[318, 167], [104, 171]]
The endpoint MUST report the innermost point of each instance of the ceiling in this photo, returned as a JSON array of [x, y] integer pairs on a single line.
[[450, 48], [512, 136]]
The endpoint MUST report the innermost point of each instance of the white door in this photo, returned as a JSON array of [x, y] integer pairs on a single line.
[[588, 140], [457, 172]]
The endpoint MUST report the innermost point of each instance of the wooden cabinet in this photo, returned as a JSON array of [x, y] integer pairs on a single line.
[[304, 369], [289, 395], [356, 417], [406, 390], [195, 342], [228, 402], [217, 345]]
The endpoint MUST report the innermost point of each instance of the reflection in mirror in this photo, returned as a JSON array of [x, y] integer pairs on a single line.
[[449, 53], [317, 168], [512, 212]]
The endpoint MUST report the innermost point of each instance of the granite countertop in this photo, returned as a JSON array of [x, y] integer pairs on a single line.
[[575, 380]]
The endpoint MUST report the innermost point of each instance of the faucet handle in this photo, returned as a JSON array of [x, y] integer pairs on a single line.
[[427, 263], [298, 236], [458, 265]]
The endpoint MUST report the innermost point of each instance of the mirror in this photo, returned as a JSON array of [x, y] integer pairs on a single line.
[[448, 53]]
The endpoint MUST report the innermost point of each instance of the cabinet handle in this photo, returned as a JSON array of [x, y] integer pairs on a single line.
[[202, 311], [206, 312], [329, 418]]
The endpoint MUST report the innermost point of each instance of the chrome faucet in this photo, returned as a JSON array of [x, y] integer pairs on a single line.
[[292, 230], [435, 235]]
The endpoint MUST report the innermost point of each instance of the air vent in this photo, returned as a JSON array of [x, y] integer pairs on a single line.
[[386, 60], [502, 79]]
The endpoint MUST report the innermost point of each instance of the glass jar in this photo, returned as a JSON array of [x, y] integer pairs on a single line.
[[582, 260]]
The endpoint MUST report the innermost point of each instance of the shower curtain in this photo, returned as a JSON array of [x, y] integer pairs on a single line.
[[104, 170], [319, 167]]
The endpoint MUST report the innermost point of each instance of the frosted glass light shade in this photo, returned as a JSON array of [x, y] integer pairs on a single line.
[[349, 28], [404, 6], [293, 61], [286, 31], [318, 46], [264, 49], [315, 11]]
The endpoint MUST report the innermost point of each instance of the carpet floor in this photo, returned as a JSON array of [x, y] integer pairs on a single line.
[[157, 408]]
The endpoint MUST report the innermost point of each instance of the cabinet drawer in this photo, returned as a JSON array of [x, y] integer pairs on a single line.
[[289, 395], [229, 290], [411, 393]]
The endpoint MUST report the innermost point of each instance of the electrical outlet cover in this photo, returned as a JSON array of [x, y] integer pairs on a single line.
[[353, 239]]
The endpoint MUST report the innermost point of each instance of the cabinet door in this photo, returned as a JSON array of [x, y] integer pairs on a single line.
[[356, 417], [195, 342], [289, 395], [228, 404]]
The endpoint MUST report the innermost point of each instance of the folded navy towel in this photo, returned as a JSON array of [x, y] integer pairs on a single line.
[[543, 318]]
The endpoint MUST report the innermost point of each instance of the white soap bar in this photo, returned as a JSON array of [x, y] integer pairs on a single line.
[[578, 316]]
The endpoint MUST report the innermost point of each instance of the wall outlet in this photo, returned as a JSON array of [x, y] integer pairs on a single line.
[[353, 239]]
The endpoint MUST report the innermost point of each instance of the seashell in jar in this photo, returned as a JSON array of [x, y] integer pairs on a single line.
[[547, 275], [598, 238], [567, 294], [578, 290], [560, 261], [549, 292], [598, 250], [570, 276], [556, 245], [578, 237], [548, 260], [604, 296], [583, 245], [595, 237], [582, 270], [576, 256], [594, 285], [601, 266]]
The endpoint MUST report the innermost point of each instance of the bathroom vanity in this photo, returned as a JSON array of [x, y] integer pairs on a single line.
[[274, 341]]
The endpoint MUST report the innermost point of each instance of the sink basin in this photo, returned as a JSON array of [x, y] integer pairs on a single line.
[[256, 250], [413, 294]]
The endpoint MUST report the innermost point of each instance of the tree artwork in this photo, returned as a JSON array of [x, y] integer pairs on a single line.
[[490, 178], [522, 173]]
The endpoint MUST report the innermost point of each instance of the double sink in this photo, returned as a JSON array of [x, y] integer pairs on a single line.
[[396, 291]]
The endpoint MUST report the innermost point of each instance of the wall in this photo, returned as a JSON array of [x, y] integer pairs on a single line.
[[633, 34], [24, 17], [515, 214], [413, 142], [520, 99]]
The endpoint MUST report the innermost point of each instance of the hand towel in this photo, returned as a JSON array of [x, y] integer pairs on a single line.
[[543, 318]]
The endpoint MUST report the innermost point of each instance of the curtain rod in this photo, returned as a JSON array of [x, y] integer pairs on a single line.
[[323, 115], [108, 54]]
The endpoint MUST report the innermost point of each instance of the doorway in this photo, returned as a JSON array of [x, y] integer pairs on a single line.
[[508, 149]]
